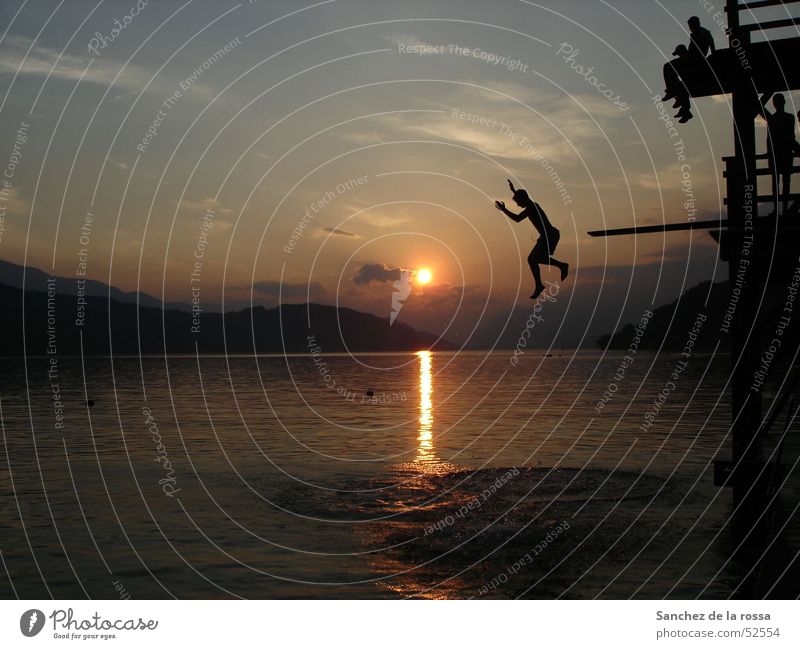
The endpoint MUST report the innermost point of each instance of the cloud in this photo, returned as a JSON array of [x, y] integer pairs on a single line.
[[381, 220], [285, 290], [340, 232], [376, 273], [204, 205], [40, 60], [15, 203], [409, 40], [491, 124]]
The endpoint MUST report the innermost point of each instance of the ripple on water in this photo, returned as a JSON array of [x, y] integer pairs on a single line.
[[532, 532]]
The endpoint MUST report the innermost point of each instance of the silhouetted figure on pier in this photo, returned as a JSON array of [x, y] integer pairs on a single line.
[[548, 236], [796, 143], [691, 62], [674, 87], [795, 209], [781, 147]]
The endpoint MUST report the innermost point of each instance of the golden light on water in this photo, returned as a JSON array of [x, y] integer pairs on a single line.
[[425, 438]]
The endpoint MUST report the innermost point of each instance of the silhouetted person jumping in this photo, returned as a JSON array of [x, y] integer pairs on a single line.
[[691, 61], [781, 147], [548, 236]]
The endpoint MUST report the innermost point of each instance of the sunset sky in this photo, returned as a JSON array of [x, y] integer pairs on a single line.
[[325, 117]]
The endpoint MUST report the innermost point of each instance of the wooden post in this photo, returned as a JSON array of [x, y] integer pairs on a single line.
[[742, 205]]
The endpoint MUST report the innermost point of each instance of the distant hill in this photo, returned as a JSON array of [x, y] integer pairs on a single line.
[[34, 279], [667, 328], [121, 327]]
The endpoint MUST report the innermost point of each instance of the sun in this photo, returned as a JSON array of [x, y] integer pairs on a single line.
[[424, 275]]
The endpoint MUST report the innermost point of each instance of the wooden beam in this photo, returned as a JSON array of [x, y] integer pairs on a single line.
[[764, 171], [661, 227], [758, 4], [771, 24], [732, 12], [758, 156], [745, 350], [770, 198], [761, 224]]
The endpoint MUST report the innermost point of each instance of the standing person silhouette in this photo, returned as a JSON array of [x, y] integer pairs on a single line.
[[781, 147], [548, 236]]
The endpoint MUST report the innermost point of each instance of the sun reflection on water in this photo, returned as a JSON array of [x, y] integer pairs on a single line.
[[425, 451]]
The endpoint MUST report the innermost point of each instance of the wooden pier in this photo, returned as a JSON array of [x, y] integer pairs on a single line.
[[763, 257]]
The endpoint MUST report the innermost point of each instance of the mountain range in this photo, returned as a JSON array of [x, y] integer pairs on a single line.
[[37, 321], [114, 322], [33, 279], [667, 328]]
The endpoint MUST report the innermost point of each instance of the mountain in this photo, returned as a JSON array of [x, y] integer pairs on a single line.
[[112, 325], [668, 327], [34, 279]]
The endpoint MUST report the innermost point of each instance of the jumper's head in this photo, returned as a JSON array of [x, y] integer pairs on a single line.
[[521, 198], [694, 23], [779, 101]]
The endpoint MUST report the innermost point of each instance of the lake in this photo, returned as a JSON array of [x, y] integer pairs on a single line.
[[463, 475]]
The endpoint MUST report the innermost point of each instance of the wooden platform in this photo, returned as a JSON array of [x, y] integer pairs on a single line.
[[772, 255], [757, 66]]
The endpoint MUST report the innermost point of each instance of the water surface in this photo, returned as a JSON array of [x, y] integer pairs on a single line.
[[278, 477]]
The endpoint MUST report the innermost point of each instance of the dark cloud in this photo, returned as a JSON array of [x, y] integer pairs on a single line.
[[340, 232], [376, 273], [286, 291]]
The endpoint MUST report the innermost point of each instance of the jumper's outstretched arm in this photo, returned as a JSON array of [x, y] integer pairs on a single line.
[[500, 205]]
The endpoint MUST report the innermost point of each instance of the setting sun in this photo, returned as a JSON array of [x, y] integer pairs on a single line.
[[424, 275]]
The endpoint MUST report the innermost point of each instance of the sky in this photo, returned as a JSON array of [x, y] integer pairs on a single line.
[[264, 152]]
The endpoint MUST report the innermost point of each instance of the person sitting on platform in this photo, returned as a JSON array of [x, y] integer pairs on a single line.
[[690, 61], [781, 147]]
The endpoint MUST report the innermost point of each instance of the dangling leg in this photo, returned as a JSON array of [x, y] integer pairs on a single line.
[[533, 261], [548, 246], [670, 81], [685, 113], [685, 103], [561, 265], [683, 96]]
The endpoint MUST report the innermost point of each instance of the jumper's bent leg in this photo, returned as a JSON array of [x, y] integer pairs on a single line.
[[561, 265], [533, 262]]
